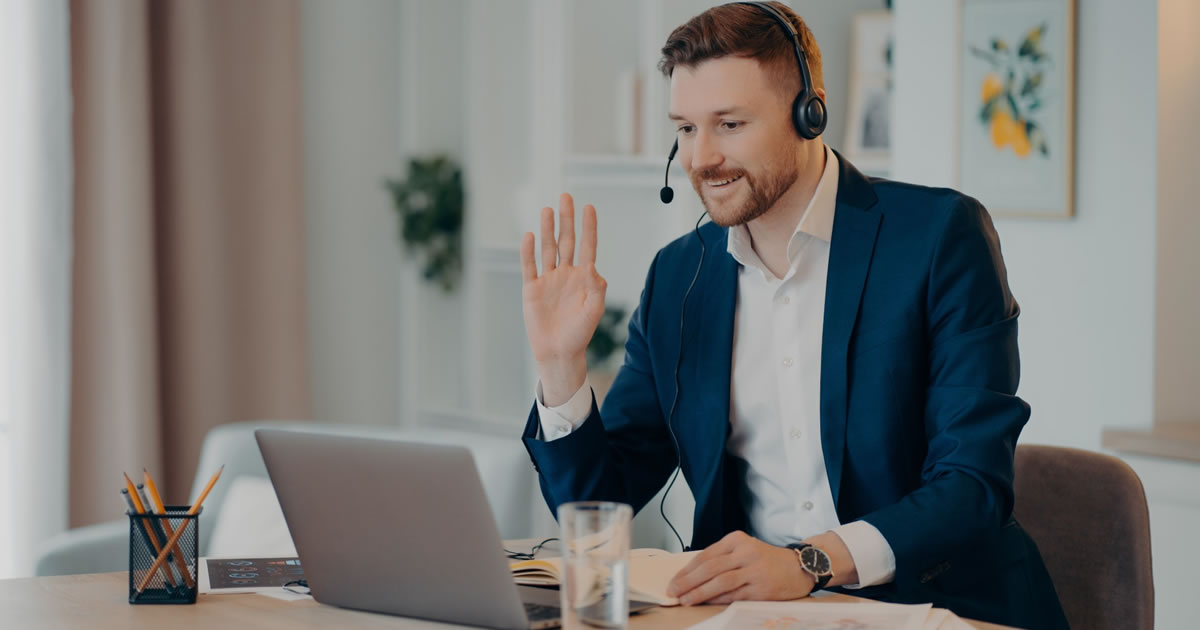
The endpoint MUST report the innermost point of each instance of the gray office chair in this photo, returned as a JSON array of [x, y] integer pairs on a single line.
[[1087, 513]]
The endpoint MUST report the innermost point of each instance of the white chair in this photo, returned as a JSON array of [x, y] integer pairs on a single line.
[[504, 466]]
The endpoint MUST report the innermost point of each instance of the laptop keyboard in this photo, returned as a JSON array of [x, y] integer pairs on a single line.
[[538, 612]]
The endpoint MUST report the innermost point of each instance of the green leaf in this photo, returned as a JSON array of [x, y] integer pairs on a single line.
[[1026, 87], [1031, 45], [988, 109], [986, 56]]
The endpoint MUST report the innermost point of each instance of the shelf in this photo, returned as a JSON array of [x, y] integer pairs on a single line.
[[631, 170]]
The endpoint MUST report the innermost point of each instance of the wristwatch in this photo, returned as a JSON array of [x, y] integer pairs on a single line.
[[814, 561]]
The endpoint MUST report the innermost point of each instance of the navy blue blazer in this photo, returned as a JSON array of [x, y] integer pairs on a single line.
[[919, 413]]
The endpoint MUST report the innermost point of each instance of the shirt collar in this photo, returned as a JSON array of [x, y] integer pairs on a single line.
[[817, 220]]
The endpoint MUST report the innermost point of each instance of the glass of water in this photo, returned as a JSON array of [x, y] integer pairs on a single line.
[[595, 540]]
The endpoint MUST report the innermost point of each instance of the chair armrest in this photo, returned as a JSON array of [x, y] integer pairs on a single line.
[[95, 548]]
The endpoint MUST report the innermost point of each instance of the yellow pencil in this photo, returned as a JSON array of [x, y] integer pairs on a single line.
[[162, 555], [152, 490], [137, 505]]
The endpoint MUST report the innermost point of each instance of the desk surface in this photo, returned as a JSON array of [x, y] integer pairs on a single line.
[[98, 601]]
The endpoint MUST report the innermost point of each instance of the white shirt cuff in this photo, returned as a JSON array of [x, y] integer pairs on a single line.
[[560, 421], [870, 551]]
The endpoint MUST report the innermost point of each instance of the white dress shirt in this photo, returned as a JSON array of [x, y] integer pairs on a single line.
[[775, 392]]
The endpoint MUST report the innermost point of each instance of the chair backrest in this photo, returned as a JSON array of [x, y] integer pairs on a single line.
[[1087, 513], [508, 477]]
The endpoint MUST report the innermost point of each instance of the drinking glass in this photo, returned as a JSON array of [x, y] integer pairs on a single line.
[[595, 540]]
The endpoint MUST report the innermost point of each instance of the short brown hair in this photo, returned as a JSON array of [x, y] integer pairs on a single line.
[[744, 31]]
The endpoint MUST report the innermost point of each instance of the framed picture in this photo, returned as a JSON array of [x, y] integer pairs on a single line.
[[868, 126], [1016, 122]]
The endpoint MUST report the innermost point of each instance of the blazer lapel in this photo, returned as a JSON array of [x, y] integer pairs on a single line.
[[854, 232]]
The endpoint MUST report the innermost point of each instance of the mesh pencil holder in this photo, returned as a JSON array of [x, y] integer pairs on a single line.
[[174, 580]]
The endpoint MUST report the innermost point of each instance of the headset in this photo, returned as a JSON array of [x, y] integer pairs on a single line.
[[809, 118]]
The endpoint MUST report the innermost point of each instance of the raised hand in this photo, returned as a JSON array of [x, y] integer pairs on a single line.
[[564, 304]]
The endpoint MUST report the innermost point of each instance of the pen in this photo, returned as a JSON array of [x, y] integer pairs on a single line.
[[148, 508]]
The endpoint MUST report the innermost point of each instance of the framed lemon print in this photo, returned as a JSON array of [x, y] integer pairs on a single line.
[[1016, 149]]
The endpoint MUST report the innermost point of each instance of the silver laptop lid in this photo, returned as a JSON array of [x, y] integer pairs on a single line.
[[393, 527]]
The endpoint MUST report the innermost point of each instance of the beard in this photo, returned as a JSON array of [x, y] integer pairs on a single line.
[[762, 190]]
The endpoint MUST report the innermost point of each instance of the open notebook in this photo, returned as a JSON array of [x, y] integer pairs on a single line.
[[650, 570]]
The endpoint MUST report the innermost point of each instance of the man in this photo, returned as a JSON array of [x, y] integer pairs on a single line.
[[831, 362]]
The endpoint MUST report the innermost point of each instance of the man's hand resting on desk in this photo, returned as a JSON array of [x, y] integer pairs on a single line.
[[740, 567], [564, 304]]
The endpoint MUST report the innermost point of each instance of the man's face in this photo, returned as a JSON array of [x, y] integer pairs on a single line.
[[736, 141]]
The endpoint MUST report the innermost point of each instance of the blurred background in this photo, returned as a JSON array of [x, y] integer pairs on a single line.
[[227, 211]]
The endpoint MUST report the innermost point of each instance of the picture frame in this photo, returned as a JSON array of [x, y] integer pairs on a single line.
[[869, 111], [1016, 106]]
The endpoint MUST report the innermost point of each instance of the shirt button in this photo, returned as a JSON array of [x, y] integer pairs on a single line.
[[787, 362], [796, 433], [808, 506], [786, 300]]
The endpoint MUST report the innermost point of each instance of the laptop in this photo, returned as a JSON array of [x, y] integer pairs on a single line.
[[400, 528]]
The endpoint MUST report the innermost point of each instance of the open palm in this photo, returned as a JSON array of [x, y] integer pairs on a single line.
[[563, 304]]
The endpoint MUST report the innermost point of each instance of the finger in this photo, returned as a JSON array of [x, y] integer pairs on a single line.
[[704, 556], [549, 245], [745, 591], [727, 544], [566, 231], [528, 262], [687, 580], [587, 239], [721, 584]]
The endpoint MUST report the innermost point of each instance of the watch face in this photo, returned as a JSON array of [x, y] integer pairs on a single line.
[[815, 560]]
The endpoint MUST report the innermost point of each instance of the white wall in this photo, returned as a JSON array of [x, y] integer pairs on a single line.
[[1085, 285], [351, 90]]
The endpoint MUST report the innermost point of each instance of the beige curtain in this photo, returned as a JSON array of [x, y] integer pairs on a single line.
[[188, 297]]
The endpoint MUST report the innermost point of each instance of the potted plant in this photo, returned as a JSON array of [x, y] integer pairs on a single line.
[[429, 203]]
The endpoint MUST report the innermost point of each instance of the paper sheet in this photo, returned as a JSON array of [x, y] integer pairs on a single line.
[[286, 596], [219, 576], [818, 616]]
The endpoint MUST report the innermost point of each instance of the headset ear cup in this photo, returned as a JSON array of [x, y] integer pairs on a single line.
[[809, 115], [817, 115]]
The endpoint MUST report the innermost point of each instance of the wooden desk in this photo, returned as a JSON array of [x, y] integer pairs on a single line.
[[99, 601]]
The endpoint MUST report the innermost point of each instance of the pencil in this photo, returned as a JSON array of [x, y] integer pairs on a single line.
[[143, 529], [148, 510], [162, 555], [180, 563], [149, 529]]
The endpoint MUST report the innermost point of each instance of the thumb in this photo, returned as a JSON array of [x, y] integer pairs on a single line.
[[595, 295]]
